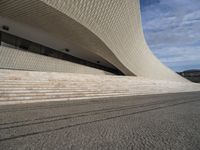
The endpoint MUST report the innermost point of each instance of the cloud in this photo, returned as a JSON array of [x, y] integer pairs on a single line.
[[172, 29]]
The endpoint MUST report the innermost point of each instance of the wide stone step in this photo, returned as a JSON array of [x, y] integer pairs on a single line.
[[6, 102], [71, 87], [66, 96], [80, 79], [25, 94], [55, 90], [75, 89], [81, 83], [45, 82]]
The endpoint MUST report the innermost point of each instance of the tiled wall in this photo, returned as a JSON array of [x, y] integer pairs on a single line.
[[21, 60]]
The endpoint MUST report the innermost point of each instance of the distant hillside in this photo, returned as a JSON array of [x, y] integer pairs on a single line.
[[192, 75]]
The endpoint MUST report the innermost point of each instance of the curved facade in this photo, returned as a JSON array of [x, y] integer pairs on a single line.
[[110, 29]]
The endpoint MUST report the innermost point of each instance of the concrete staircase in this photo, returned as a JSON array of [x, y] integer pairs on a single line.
[[29, 87]]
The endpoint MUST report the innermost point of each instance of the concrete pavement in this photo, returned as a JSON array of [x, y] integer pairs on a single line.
[[167, 121]]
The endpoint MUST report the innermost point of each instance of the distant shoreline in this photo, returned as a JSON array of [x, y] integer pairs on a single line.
[[192, 75]]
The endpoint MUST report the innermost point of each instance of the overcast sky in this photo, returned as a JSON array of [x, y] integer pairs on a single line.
[[172, 30]]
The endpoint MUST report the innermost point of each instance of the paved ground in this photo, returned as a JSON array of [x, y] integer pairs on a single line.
[[169, 121]]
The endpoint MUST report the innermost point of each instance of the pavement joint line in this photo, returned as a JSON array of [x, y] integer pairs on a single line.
[[97, 120]]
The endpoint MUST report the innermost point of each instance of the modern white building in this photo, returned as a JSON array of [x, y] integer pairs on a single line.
[[77, 36]]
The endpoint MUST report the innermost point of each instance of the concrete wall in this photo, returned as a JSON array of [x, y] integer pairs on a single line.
[[109, 28]]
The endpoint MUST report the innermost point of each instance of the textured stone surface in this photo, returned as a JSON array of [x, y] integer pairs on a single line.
[[110, 29], [169, 121]]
